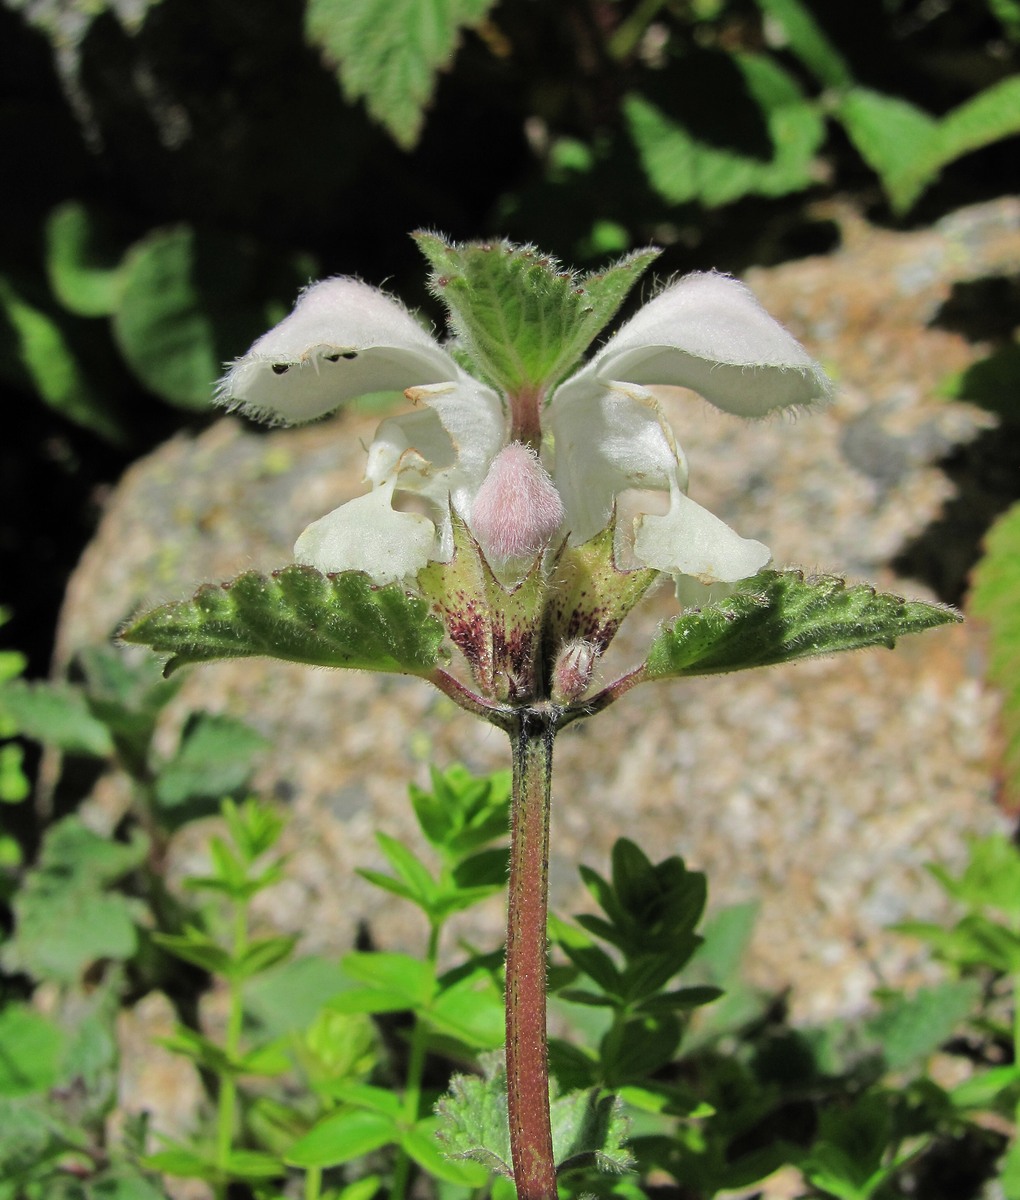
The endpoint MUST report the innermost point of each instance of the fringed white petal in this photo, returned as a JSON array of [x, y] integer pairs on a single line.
[[708, 333], [689, 540], [368, 534], [608, 440], [343, 339]]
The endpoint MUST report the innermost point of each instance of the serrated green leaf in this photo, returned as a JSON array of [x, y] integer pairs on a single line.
[[484, 872], [342, 1136], [589, 1128], [188, 300], [684, 166], [995, 599], [519, 315], [83, 260], [35, 349], [474, 1123], [298, 615], [57, 715], [64, 916], [907, 148], [780, 616], [388, 52]]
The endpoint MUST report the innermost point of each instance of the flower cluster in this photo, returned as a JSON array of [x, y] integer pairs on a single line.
[[530, 469]]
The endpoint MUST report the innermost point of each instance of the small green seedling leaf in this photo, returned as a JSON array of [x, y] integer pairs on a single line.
[[299, 615], [462, 812], [780, 616], [520, 317]]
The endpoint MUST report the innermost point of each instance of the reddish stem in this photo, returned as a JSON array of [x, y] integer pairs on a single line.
[[527, 1060]]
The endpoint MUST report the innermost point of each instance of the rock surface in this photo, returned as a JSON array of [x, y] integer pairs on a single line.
[[820, 788]]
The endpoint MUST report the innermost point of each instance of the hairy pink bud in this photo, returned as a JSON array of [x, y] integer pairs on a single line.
[[573, 670], [517, 510]]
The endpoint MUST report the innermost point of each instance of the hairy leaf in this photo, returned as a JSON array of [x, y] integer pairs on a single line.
[[779, 616], [519, 315], [299, 615]]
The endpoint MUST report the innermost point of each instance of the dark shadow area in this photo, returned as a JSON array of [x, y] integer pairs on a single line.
[[985, 473]]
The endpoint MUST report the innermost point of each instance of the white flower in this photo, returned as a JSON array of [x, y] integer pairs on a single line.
[[602, 431]]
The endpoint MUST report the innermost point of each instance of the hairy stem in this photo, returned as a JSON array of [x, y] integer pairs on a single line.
[[527, 1060]]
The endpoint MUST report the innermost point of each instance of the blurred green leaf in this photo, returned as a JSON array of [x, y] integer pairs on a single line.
[[213, 759], [806, 38], [35, 350], [388, 52], [342, 1136], [57, 715], [991, 878], [907, 148], [31, 1048], [995, 599], [83, 260], [910, 1029], [190, 301], [65, 917], [684, 166], [780, 616], [298, 615]]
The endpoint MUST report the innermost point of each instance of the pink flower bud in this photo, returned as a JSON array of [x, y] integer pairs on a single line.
[[573, 670], [517, 510]]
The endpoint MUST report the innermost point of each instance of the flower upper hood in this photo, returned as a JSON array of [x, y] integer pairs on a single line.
[[602, 433]]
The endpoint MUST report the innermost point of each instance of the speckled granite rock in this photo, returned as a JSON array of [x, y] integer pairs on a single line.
[[820, 788]]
